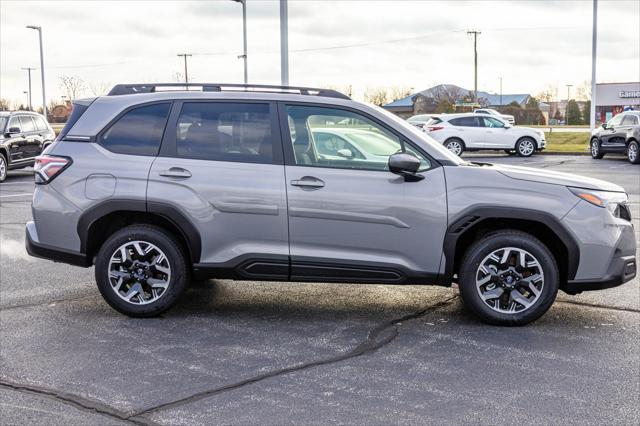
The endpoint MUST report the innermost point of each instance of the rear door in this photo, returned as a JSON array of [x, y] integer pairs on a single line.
[[351, 219], [221, 166], [470, 130]]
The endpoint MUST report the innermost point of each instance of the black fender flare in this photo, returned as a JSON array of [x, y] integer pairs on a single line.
[[167, 211], [474, 215]]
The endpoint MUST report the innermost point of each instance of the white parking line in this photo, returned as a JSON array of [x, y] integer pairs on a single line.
[[16, 195]]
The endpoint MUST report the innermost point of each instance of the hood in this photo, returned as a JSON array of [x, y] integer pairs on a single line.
[[557, 178]]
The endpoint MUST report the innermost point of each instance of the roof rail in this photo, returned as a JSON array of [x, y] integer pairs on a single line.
[[129, 89]]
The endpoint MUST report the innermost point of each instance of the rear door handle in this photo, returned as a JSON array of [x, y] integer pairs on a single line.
[[176, 172], [308, 182]]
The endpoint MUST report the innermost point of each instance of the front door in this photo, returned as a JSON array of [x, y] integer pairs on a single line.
[[350, 218], [17, 141], [221, 165], [496, 135], [33, 141], [614, 135]]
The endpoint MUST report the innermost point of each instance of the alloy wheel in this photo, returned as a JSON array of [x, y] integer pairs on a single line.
[[595, 149], [3, 168], [510, 280], [139, 272], [632, 152], [455, 147], [526, 148]]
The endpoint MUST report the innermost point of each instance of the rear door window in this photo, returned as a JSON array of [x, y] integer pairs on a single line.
[[629, 120], [225, 131], [27, 124], [138, 132], [467, 121]]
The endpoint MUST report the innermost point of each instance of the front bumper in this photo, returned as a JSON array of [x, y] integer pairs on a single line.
[[43, 251], [621, 270]]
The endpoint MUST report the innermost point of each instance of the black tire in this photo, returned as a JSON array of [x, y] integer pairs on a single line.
[[455, 142], [595, 150], [4, 168], [523, 147], [633, 152], [175, 256], [469, 270]]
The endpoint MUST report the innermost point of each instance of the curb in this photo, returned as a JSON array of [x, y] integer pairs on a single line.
[[562, 153]]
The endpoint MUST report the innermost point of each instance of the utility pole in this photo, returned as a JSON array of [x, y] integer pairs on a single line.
[[500, 90], [29, 71], [284, 43], [186, 75], [594, 44], [44, 96], [566, 111], [244, 38], [28, 97], [475, 63]]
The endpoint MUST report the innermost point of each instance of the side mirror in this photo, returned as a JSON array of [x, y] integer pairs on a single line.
[[507, 126], [405, 165], [13, 130], [604, 126], [346, 153]]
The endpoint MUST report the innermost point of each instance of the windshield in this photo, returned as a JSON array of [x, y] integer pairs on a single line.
[[408, 128]]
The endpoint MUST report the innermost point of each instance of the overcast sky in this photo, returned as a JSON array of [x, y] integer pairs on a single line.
[[531, 44]]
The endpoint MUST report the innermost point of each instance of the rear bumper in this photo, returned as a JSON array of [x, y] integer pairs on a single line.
[[621, 270], [43, 251]]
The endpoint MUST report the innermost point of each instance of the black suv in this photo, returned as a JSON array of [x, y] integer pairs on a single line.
[[619, 135], [24, 136]]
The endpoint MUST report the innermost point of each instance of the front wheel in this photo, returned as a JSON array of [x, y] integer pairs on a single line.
[[633, 152], [3, 168], [508, 278], [525, 147], [141, 271], [595, 150], [455, 145]]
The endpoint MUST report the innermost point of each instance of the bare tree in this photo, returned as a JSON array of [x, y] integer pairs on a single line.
[[73, 86], [376, 95], [400, 92], [449, 93], [547, 95], [583, 91], [100, 88], [5, 105]]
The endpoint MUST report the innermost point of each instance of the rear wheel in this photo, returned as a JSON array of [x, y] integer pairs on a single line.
[[595, 150], [141, 271], [455, 145], [633, 152], [3, 168], [508, 278], [525, 147]]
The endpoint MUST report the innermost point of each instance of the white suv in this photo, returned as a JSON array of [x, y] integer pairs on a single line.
[[471, 132]]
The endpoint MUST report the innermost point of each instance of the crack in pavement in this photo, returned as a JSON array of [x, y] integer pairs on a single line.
[[369, 345], [76, 401], [47, 302], [595, 305]]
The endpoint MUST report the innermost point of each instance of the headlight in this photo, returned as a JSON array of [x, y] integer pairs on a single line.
[[615, 202]]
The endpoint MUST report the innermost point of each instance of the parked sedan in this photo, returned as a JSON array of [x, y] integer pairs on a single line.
[[23, 136], [472, 132], [619, 135], [488, 111]]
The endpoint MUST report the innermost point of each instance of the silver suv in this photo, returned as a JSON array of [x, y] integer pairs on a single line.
[[156, 188]]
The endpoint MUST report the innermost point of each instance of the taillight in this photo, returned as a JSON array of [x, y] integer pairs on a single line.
[[434, 128], [48, 167]]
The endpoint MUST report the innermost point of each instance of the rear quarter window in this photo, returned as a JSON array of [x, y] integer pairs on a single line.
[[138, 132]]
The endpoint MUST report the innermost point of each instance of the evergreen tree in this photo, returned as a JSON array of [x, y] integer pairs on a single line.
[[574, 115]]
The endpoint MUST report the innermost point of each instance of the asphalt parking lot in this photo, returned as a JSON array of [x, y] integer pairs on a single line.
[[281, 353]]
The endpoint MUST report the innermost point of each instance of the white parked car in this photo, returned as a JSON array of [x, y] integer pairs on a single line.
[[488, 111], [472, 132]]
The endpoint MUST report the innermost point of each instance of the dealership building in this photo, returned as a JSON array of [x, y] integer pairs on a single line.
[[613, 98]]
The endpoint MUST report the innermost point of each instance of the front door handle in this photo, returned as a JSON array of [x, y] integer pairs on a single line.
[[176, 172], [308, 182]]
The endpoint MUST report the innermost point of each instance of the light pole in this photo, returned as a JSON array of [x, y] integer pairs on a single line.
[[29, 71], [244, 38], [566, 111], [186, 75], [44, 96], [284, 43], [28, 97], [500, 90], [594, 44]]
